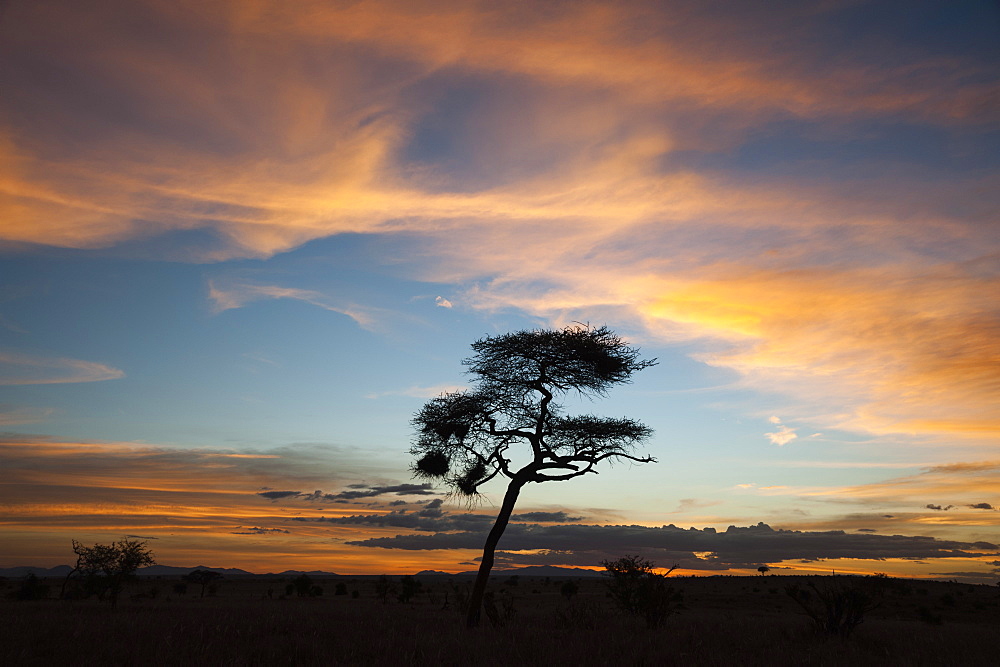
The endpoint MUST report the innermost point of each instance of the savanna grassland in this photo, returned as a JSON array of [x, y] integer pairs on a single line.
[[721, 621]]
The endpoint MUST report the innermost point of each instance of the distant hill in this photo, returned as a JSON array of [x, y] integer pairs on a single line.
[[25, 570], [175, 571], [155, 571], [529, 571]]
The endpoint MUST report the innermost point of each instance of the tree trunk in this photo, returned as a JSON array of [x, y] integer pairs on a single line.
[[483, 578]]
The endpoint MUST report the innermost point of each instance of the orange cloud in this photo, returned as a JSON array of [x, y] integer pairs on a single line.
[[867, 300]]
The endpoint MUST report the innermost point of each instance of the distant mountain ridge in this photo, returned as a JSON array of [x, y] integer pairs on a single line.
[[175, 571], [157, 571]]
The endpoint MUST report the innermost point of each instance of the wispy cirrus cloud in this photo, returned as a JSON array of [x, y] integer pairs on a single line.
[[22, 369], [238, 295]]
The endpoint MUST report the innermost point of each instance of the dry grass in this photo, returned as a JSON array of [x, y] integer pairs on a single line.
[[727, 621]]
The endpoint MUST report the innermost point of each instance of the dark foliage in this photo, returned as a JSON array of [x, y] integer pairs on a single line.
[[408, 588], [837, 607], [203, 578], [569, 589], [31, 588], [302, 585], [639, 590], [105, 568]]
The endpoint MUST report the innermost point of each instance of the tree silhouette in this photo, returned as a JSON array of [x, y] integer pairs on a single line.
[[106, 567], [203, 578], [467, 438]]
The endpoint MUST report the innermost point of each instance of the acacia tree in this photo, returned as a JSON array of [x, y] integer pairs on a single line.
[[106, 567], [510, 426], [203, 578]]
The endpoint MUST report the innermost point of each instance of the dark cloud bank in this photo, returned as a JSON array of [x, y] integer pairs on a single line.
[[354, 492], [708, 549]]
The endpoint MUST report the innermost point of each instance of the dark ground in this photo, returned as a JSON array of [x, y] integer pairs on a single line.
[[722, 621]]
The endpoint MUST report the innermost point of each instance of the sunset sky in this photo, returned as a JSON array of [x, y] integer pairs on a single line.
[[242, 242]]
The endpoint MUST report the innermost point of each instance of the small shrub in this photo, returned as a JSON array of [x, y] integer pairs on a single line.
[[836, 608], [928, 617], [408, 588], [499, 608], [302, 585], [340, 589], [639, 590], [32, 589], [584, 615], [383, 588], [569, 589]]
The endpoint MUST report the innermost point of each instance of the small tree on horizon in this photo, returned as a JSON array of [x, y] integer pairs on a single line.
[[203, 578], [107, 567], [509, 424]]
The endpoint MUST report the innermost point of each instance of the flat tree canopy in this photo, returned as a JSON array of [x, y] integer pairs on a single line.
[[467, 438]]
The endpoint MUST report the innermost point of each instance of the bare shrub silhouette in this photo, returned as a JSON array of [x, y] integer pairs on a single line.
[[836, 607], [464, 438], [638, 589]]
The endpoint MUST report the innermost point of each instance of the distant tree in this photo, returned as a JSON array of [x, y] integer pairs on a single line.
[[638, 589], [31, 588], [106, 568], [203, 578], [763, 569], [465, 438], [408, 588], [384, 588], [569, 589], [302, 585]]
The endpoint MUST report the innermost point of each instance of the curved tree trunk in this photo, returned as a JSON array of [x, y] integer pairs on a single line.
[[503, 517]]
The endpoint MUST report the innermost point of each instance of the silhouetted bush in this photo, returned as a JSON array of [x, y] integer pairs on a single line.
[[499, 608], [569, 589], [836, 607], [639, 590], [302, 585], [928, 617], [383, 588], [205, 578], [31, 588], [106, 568], [340, 589], [408, 588]]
